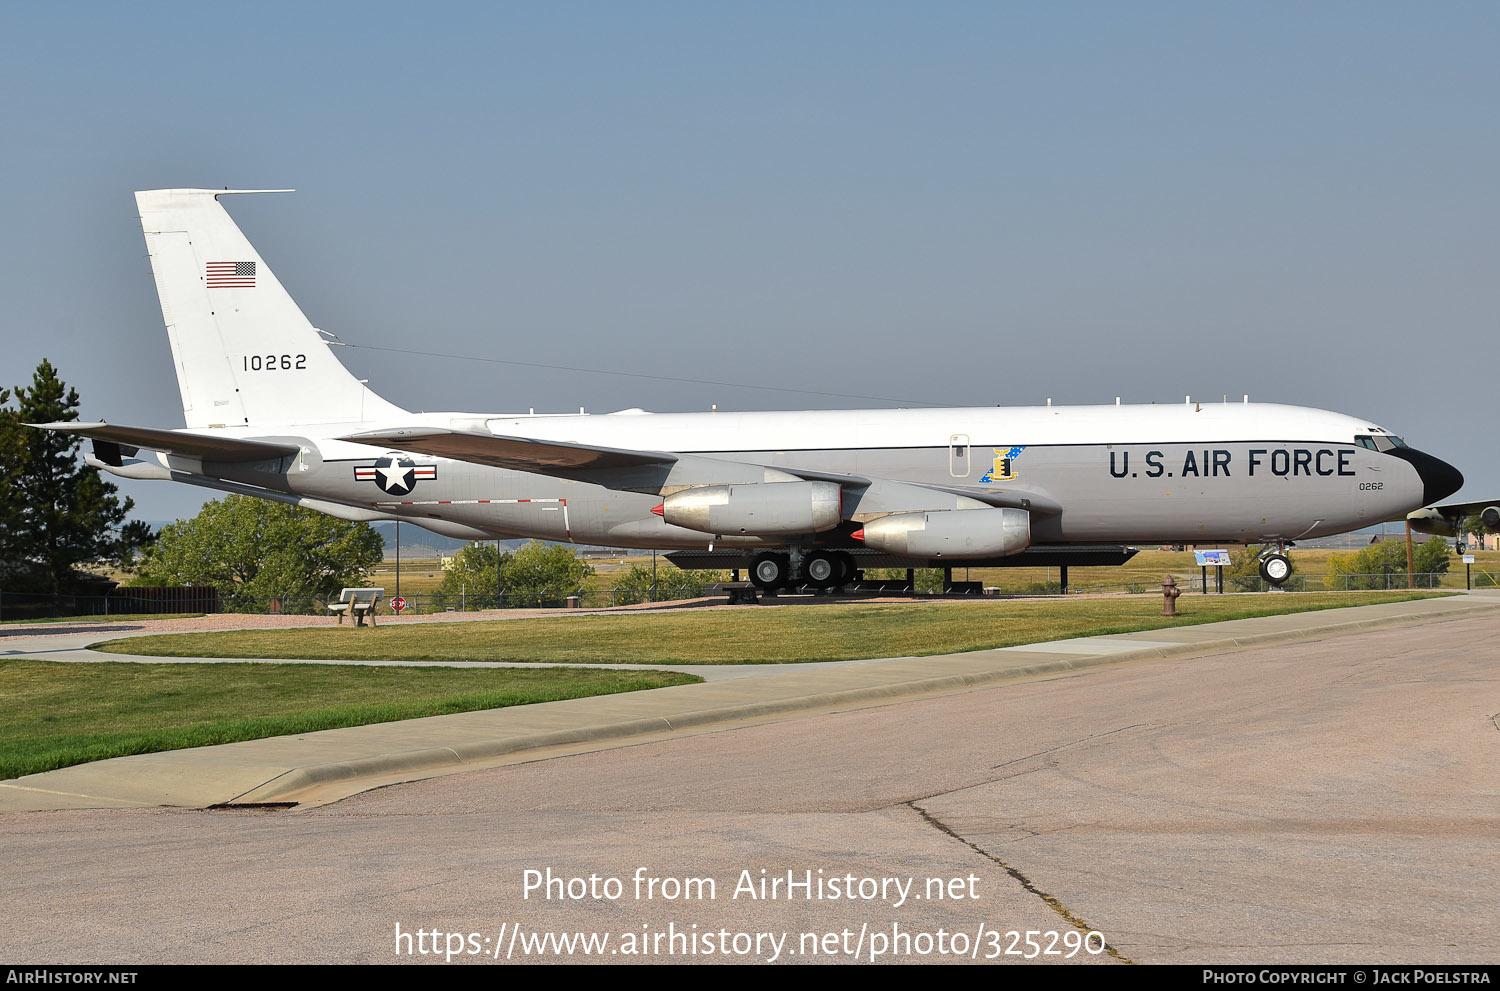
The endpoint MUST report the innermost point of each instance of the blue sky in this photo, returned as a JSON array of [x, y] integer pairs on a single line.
[[967, 204]]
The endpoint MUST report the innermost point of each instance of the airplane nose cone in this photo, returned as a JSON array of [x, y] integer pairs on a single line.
[[1439, 479]]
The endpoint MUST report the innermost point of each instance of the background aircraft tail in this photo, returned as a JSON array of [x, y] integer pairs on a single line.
[[245, 354]]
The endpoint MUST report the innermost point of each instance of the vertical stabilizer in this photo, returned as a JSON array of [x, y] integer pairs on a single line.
[[245, 354]]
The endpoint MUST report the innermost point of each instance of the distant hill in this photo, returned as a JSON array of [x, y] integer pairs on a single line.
[[413, 536]]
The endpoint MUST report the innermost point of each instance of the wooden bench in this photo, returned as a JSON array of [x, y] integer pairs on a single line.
[[741, 593], [357, 602]]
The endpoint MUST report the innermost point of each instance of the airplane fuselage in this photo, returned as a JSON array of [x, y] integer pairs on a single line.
[[1207, 473]]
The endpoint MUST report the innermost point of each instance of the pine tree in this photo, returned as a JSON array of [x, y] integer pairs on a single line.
[[59, 514], [12, 460]]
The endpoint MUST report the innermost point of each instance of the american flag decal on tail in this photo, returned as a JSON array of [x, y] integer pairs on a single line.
[[230, 275]]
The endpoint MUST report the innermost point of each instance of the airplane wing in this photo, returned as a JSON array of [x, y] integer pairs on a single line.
[[1012, 498], [209, 447], [541, 457], [1027, 499], [590, 462], [1444, 521]]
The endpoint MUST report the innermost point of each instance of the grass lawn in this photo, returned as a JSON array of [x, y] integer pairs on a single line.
[[53, 714], [770, 635]]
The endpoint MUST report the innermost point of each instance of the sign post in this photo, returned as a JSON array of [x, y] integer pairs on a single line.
[[1216, 559]]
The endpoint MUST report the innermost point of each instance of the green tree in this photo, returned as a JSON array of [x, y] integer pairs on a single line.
[[1475, 524], [261, 548], [12, 458], [59, 514], [542, 569], [1432, 557], [537, 570], [470, 575], [671, 582], [1377, 565]]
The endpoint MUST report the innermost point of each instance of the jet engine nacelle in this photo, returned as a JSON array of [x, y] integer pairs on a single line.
[[1435, 522], [958, 533], [760, 508], [1431, 521]]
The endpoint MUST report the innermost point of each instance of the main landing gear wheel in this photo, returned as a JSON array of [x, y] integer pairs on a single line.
[[821, 569], [1275, 568], [769, 572], [847, 568]]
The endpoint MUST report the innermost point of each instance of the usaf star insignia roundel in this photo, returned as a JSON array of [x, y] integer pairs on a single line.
[[395, 475]]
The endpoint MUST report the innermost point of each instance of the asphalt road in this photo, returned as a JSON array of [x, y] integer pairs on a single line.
[[1328, 801]]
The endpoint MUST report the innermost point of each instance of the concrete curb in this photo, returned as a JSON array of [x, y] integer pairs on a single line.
[[299, 780], [288, 769]]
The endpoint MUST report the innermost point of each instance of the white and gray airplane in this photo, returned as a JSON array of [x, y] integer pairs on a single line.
[[797, 497]]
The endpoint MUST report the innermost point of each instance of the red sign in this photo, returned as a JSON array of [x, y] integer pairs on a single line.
[[398, 603]]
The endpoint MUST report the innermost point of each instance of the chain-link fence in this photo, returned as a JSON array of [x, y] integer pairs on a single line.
[[121, 601], [427, 603], [1194, 584], [583, 598], [19, 606]]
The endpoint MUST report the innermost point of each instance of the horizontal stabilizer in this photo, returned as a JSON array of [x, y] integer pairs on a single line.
[[208, 447], [541, 457]]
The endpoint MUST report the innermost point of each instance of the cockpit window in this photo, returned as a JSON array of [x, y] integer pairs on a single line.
[[1379, 443]]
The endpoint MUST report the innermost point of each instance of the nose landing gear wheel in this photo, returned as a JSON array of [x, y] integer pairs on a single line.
[[769, 572], [1275, 568]]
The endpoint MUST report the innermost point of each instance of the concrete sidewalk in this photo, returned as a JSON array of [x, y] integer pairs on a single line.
[[73, 648], [317, 768]]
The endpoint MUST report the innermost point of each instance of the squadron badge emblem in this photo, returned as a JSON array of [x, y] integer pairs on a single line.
[[1004, 466]]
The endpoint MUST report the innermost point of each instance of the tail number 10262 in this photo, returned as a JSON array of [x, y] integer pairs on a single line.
[[271, 362]]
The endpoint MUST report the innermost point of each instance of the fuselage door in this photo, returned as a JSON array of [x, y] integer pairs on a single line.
[[959, 455]]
